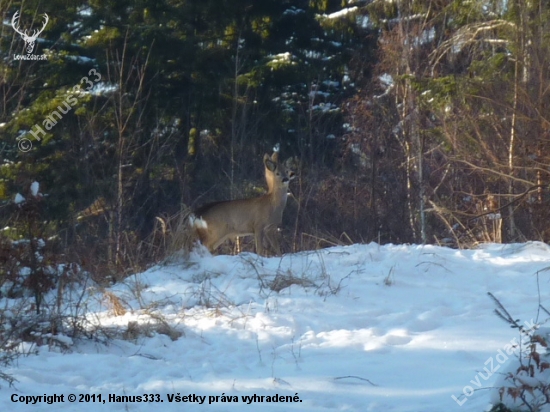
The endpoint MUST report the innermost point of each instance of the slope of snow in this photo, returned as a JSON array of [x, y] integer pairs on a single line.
[[357, 328]]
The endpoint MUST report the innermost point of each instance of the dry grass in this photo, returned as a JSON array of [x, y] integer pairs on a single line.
[[114, 304], [173, 235], [287, 279]]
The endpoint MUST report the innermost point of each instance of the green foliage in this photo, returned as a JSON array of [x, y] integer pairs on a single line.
[[186, 92], [173, 102]]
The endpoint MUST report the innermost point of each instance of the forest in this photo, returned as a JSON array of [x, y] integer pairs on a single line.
[[407, 121]]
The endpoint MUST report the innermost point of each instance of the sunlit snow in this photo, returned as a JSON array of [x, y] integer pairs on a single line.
[[357, 328]]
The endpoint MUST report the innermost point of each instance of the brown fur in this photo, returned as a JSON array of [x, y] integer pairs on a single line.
[[260, 216]]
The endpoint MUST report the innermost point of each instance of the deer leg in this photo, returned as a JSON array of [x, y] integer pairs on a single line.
[[259, 241], [272, 236]]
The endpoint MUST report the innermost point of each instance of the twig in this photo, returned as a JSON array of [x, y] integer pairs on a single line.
[[355, 377], [504, 315]]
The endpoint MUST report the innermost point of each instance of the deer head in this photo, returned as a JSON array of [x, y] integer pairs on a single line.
[[30, 40]]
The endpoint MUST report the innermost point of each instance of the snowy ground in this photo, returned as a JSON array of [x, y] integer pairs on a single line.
[[366, 328]]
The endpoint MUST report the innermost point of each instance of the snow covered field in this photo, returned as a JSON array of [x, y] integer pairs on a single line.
[[357, 328]]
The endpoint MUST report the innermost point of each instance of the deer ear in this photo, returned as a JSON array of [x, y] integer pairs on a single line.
[[275, 157], [269, 164]]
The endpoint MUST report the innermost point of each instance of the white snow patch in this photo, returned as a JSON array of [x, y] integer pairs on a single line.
[[18, 199], [340, 332], [35, 186], [386, 79], [341, 13]]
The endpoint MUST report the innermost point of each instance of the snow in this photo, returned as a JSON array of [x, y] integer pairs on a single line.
[[81, 59], [386, 80], [318, 93], [293, 11], [332, 84], [340, 13], [358, 328], [18, 199], [281, 58], [326, 107], [101, 89], [35, 186]]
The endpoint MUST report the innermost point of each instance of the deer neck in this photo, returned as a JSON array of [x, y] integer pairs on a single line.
[[276, 192]]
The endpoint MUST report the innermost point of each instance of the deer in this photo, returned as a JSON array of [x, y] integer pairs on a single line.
[[29, 40], [261, 216]]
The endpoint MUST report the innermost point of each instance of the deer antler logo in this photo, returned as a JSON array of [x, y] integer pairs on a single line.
[[29, 40]]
